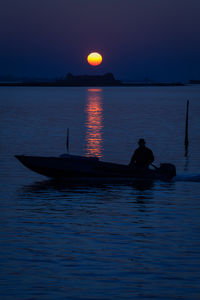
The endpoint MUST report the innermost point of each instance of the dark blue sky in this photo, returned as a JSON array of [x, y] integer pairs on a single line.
[[158, 39]]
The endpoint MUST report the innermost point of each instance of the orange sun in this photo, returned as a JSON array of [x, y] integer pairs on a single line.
[[94, 59]]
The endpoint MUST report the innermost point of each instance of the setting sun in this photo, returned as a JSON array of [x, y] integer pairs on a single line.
[[94, 59]]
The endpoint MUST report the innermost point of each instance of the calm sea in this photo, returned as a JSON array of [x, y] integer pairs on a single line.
[[108, 241]]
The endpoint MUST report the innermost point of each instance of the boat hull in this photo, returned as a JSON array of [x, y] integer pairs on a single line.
[[77, 167]]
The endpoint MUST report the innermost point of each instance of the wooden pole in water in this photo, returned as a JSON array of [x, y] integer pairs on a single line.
[[67, 142], [186, 129]]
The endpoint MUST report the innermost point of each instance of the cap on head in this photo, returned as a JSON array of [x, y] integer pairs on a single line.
[[141, 142]]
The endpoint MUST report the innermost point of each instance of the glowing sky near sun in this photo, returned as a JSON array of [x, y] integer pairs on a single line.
[[138, 39]]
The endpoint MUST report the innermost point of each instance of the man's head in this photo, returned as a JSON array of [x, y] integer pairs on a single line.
[[141, 142]]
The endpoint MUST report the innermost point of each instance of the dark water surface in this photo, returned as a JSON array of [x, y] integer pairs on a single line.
[[105, 241]]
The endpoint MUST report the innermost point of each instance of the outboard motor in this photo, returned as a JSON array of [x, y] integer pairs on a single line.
[[167, 170]]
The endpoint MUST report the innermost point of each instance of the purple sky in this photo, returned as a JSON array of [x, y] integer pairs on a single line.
[[158, 39]]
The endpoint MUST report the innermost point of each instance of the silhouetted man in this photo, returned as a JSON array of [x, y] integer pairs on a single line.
[[142, 156]]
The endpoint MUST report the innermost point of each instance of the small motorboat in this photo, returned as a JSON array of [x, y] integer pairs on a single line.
[[74, 167]]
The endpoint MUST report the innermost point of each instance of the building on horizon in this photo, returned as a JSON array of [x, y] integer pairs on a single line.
[[94, 80]]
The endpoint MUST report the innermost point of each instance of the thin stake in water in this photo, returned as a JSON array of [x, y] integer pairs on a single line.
[[67, 142], [186, 130]]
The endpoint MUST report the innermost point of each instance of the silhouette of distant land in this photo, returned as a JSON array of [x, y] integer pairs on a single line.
[[194, 81], [107, 79]]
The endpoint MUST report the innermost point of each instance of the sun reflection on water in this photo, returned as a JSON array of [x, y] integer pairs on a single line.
[[94, 123]]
